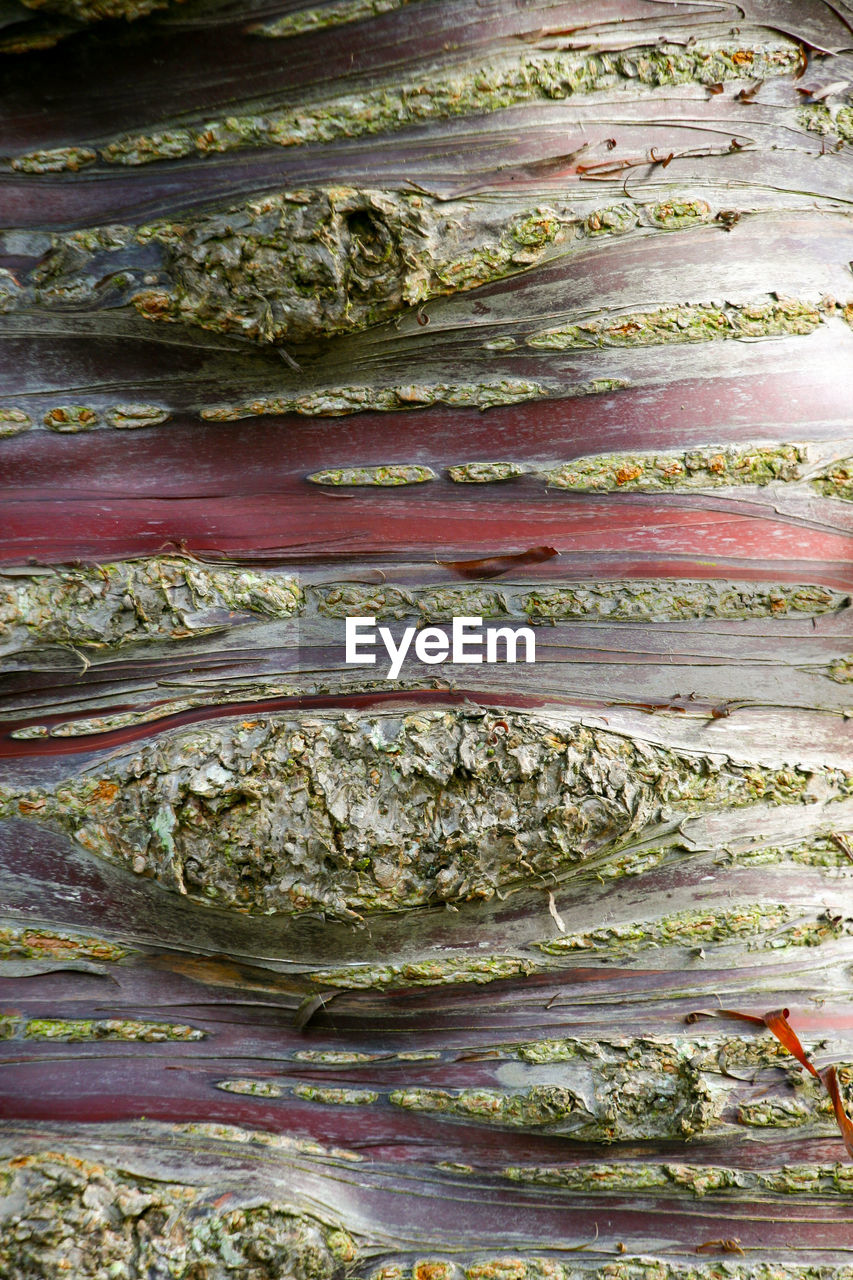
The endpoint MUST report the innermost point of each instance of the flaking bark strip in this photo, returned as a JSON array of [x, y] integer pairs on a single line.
[[98, 10], [658, 600], [628, 1266], [160, 598], [263, 815], [471, 88], [485, 472], [390, 476], [336, 1097], [253, 1138], [225, 695], [693, 469], [821, 851], [636, 1177], [69, 1216], [336, 14], [335, 402], [251, 1088], [130, 1029], [652, 600], [694, 323], [757, 925], [707, 467], [426, 973], [40, 944], [710, 1054]]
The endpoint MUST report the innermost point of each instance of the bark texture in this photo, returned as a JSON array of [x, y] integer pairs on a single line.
[[539, 313]]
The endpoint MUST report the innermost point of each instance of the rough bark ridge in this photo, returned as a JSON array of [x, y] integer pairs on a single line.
[[539, 313]]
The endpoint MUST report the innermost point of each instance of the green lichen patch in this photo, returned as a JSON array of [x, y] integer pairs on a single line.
[[841, 670], [648, 1090], [365, 812], [440, 603], [339, 401], [425, 973], [699, 323], [615, 219], [633, 1177], [506, 80], [72, 418], [385, 476], [41, 944], [758, 925], [484, 472], [658, 600], [336, 14], [673, 215], [819, 118], [164, 597], [13, 422], [68, 1216], [434, 1269], [693, 469], [635, 862], [129, 416], [252, 1088], [11, 1025], [819, 851], [837, 480], [108, 1029], [776, 1113], [336, 1097], [351, 599]]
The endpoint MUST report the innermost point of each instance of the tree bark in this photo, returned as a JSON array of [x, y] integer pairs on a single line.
[[538, 314]]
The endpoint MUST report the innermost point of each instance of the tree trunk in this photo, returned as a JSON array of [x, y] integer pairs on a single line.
[[536, 314]]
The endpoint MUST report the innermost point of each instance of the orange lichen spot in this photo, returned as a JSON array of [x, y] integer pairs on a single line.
[[153, 304], [31, 806], [105, 792], [437, 1270]]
